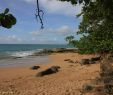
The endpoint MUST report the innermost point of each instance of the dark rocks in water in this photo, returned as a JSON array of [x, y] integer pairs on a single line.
[[55, 50], [35, 67], [51, 70], [17, 57]]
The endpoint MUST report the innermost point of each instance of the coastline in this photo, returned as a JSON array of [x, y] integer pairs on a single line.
[[24, 61], [68, 81], [36, 57]]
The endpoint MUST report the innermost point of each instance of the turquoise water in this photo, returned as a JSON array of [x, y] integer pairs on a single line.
[[12, 55], [28, 47], [20, 50]]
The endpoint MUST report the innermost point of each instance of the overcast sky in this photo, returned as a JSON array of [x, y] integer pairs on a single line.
[[59, 21]]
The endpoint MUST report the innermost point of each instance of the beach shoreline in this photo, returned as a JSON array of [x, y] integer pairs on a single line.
[[71, 76], [25, 58]]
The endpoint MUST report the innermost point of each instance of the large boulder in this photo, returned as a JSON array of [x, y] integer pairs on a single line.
[[51, 70]]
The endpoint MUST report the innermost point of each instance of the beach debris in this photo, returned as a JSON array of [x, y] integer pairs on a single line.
[[51, 70], [35, 67]]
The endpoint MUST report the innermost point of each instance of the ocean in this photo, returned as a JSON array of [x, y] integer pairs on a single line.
[[9, 51]]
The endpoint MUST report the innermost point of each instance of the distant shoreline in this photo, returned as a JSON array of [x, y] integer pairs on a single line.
[[55, 50]]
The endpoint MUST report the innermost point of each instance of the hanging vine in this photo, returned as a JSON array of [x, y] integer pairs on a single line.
[[39, 15]]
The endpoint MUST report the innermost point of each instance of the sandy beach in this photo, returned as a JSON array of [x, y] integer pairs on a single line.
[[68, 81]]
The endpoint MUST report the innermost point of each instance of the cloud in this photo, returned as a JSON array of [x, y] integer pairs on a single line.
[[10, 39], [58, 7], [50, 36], [62, 31]]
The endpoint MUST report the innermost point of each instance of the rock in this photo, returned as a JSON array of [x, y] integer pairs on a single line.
[[35, 67], [51, 70], [84, 61], [95, 58], [17, 57]]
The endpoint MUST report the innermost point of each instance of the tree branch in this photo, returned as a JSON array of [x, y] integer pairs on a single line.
[[39, 15]]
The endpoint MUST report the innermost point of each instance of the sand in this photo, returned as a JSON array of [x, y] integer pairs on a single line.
[[68, 81]]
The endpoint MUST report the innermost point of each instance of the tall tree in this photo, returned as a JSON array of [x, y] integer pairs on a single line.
[[96, 27]]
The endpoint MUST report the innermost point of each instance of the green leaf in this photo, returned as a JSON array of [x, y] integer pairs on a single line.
[[1, 16], [6, 11], [6, 22], [12, 18]]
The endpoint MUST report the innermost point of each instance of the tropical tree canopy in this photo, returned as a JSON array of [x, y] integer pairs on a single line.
[[96, 27]]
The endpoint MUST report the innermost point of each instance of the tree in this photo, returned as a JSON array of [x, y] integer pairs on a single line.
[[96, 27], [7, 20], [71, 41]]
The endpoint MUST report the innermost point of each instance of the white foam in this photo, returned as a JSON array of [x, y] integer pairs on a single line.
[[22, 53]]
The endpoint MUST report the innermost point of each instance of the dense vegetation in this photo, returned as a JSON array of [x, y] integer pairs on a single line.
[[96, 27]]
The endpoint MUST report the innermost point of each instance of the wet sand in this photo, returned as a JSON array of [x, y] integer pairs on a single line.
[[68, 81]]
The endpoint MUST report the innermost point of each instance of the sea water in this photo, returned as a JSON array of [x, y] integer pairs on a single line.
[[22, 53]]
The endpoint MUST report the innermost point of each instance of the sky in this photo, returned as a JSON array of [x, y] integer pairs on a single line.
[[59, 21]]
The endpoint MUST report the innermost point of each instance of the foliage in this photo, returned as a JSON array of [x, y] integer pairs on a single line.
[[96, 27], [7, 20], [71, 41]]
